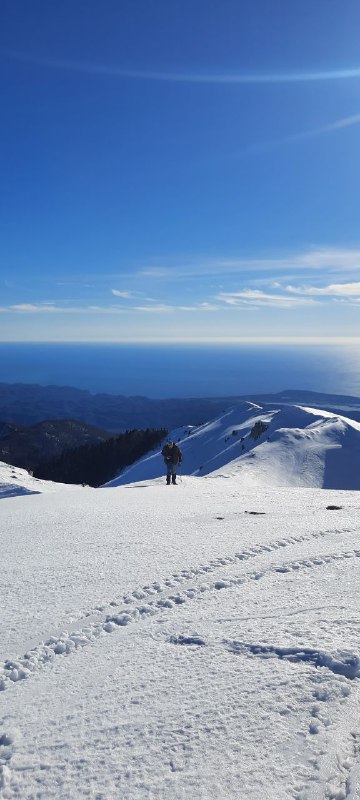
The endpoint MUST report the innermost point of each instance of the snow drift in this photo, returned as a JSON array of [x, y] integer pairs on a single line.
[[15, 481]]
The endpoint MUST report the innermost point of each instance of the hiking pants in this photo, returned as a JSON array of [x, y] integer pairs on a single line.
[[170, 469]]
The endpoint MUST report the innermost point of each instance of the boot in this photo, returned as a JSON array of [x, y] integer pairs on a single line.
[[174, 479], [168, 480]]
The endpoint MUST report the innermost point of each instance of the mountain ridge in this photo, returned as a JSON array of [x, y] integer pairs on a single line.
[[28, 404], [28, 446], [273, 445]]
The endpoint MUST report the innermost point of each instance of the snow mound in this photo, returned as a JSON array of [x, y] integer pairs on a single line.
[[267, 445], [15, 482]]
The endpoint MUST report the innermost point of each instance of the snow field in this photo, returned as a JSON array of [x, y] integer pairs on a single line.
[[163, 644], [66, 554]]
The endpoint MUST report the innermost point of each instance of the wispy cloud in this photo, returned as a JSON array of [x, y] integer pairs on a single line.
[[186, 77], [158, 308], [31, 308], [317, 258], [123, 295], [294, 296], [334, 289], [256, 298], [39, 308], [163, 308], [132, 295], [262, 147]]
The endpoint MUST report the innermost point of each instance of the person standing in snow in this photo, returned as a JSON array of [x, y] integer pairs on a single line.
[[172, 456]]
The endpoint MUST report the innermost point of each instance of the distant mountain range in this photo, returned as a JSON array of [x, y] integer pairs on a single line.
[[267, 445], [27, 404]]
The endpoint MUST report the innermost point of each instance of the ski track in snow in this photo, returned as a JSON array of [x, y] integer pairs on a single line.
[[343, 782], [133, 610], [329, 672], [193, 573]]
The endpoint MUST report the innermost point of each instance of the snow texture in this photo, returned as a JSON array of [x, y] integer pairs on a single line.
[[201, 641]]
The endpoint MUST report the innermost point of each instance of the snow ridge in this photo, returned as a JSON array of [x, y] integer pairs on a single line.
[[15, 482], [267, 445]]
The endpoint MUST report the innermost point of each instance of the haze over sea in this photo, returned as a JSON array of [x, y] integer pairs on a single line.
[[161, 371]]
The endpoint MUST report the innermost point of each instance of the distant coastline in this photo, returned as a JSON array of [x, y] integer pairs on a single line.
[[163, 371]]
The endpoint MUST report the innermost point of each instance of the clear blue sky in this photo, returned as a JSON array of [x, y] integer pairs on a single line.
[[179, 169]]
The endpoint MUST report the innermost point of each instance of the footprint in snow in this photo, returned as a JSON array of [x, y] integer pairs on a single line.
[[6, 753], [187, 640]]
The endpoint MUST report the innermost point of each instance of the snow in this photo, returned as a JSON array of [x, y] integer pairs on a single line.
[[15, 481], [300, 446], [165, 643], [198, 641]]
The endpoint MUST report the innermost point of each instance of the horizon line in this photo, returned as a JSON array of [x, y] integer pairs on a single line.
[[289, 340]]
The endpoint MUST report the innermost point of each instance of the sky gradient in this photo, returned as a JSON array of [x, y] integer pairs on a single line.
[[180, 171]]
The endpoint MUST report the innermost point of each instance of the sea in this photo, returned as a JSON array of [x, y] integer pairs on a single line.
[[177, 370]]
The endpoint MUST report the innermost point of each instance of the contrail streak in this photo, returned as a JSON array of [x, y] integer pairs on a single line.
[[346, 122], [186, 77]]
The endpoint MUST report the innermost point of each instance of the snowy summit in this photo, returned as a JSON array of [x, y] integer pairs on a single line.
[[265, 445]]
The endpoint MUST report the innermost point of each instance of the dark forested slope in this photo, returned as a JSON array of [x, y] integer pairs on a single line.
[[28, 446], [97, 464]]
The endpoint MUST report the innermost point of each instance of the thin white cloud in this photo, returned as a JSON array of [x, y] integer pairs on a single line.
[[113, 309], [124, 295], [132, 295], [257, 298], [155, 272], [32, 308], [151, 300], [337, 289], [319, 258], [207, 307], [159, 308], [77, 283], [163, 308], [186, 77], [330, 259], [199, 307], [261, 147]]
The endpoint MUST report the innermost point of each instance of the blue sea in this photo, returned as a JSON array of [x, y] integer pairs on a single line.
[[160, 371]]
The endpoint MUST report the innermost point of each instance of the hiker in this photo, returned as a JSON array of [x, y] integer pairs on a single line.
[[172, 457]]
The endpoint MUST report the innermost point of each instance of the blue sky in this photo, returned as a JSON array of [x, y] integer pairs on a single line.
[[180, 170]]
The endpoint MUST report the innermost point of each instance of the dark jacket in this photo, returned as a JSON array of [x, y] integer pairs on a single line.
[[172, 455]]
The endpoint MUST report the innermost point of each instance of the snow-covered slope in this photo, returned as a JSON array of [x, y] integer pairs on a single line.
[[267, 445], [199, 642], [15, 481]]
